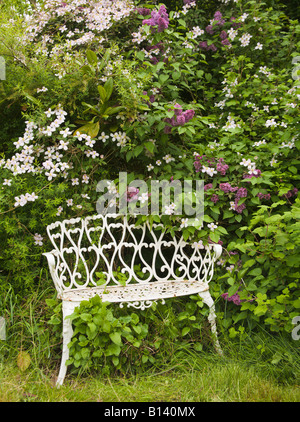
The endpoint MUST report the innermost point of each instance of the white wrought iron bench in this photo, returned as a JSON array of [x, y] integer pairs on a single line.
[[110, 245]]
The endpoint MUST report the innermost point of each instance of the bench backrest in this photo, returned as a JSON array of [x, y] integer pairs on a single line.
[[109, 249]]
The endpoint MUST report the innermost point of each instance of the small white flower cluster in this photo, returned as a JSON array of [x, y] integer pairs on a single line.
[[245, 40], [265, 71], [196, 32], [120, 137], [258, 143], [43, 89], [227, 91], [94, 16], [143, 198], [243, 17], [273, 161], [187, 44], [271, 123], [230, 124], [198, 245], [221, 104], [52, 161], [290, 144], [208, 170], [214, 145], [232, 33], [168, 158], [249, 164], [38, 239], [139, 36], [23, 199], [60, 118], [212, 226], [170, 209]]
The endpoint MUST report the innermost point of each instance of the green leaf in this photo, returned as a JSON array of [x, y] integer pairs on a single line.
[[140, 55], [108, 86], [144, 358], [138, 150], [116, 338], [105, 59], [198, 347], [91, 129], [113, 110], [23, 360], [176, 75], [115, 361], [232, 290], [86, 317], [113, 349], [102, 92], [91, 57], [163, 78], [85, 353], [185, 331]]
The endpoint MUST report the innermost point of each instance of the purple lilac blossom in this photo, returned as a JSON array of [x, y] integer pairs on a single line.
[[222, 167], [212, 47], [235, 298], [264, 195], [203, 45], [209, 29], [132, 194], [241, 193], [218, 19], [235, 24], [208, 186], [225, 42], [159, 19], [290, 193], [181, 118], [225, 187], [143, 11], [214, 198], [223, 35]]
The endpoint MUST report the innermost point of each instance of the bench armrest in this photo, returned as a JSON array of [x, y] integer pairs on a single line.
[[52, 267], [218, 251]]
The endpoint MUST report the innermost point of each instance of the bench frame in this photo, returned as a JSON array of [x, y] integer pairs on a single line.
[[192, 276]]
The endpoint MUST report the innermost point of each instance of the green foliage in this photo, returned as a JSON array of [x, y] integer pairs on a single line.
[[114, 340], [104, 341], [117, 95], [267, 274]]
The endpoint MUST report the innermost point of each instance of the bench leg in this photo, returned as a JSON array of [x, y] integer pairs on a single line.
[[208, 300], [68, 309]]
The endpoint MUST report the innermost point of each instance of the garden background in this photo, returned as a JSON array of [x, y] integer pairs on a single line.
[[204, 90]]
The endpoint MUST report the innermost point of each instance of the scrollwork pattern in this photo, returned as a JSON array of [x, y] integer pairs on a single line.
[[113, 245]]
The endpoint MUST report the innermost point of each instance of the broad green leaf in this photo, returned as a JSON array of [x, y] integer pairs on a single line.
[[91, 57], [108, 86], [102, 92], [185, 331], [116, 338], [113, 349], [23, 360], [91, 129]]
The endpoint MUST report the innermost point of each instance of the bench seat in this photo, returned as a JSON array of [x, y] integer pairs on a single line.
[[139, 265], [137, 293]]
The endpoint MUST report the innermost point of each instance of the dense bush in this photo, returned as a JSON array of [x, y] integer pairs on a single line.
[[161, 94]]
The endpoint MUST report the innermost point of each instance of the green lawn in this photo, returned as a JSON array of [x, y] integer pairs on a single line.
[[242, 375]]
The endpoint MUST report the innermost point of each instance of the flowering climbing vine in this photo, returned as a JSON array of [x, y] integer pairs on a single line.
[[160, 94]]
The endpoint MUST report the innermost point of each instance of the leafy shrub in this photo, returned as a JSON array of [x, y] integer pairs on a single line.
[[113, 340], [264, 282], [169, 95]]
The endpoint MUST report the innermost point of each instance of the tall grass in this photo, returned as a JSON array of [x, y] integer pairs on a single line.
[[259, 367]]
